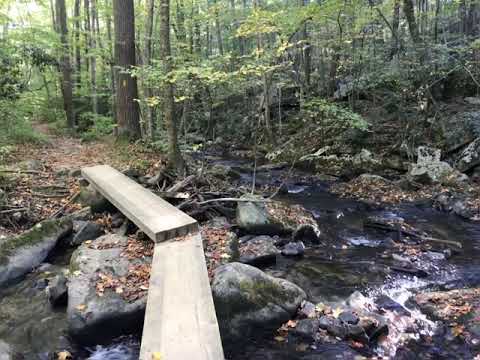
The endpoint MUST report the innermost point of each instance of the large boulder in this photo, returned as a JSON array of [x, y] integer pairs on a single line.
[[98, 308], [430, 169], [273, 217], [246, 300], [21, 254], [469, 157], [85, 230], [89, 197], [460, 128]]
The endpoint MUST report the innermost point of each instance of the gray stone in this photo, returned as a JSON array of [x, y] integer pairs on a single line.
[[259, 250], [307, 310], [293, 249], [87, 231], [273, 218], [21, 254], [93, 318], [430, 169], [57, 291], [348, 317], [306, 329], [246, 300], [473, 100], [469, 158], [334, 326]]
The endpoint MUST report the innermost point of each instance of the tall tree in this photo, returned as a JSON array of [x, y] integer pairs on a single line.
[[78, 57], [174, 155], [128, 120], [409, 10], [147, 60], [61, 27], [93, 56]]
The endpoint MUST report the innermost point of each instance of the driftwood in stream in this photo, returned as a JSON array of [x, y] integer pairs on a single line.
[[403, 229]]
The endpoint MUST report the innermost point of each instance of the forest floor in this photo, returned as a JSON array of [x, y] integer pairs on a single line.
[[41, 180]]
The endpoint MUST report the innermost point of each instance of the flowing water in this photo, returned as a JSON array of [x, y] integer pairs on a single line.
[[351, 259]]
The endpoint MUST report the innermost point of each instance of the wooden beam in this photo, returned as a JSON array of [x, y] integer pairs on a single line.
[[154, 216], [180, 320]]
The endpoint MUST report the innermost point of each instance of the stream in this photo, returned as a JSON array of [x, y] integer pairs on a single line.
[[352, 258]]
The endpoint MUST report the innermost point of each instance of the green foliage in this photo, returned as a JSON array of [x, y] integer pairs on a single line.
[[97, 126], [329, 114]]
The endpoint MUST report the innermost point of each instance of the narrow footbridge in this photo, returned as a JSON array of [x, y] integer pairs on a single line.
[[180, 320]]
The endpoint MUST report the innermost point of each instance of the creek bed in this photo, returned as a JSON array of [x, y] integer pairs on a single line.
[[351, 258]]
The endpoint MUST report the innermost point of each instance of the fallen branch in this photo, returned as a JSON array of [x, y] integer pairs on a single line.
[[21, 171], [69, 201], [233, 200], [10, 211]]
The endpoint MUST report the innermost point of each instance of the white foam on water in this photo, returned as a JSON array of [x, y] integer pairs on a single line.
[[402, 328], [123, 351]]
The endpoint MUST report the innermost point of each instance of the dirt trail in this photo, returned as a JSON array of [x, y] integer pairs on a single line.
[[44, 185]]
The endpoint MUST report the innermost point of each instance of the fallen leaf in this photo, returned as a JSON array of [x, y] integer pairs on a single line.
[[64, 355], [279, 338], [156, 356], [81, 307]]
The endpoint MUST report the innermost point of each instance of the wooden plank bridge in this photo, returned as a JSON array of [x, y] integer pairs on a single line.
[[180, 320]]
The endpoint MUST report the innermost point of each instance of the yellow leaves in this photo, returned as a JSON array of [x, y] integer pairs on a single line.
[[279, 338], [458, 330], [81, 307], [336, 312], [156, 356]]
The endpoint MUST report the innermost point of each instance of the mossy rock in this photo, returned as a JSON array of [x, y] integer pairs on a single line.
[[247, 299], [21, 254], [272, 217]]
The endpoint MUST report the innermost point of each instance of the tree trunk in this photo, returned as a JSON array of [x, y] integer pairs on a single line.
[[86, 32], [93, 57], [147, 58], [395, 26], [61, 26], [218, 28], [111, 60], [409, 11], [126, 107], [174, 157], [78, 58]]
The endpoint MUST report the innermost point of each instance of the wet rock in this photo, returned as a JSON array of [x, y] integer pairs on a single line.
[[348, 317], [386, 303], [307, 310], [293, 249], [307, 233], [373, 178], [86, 231], [259, 250], [25, 309], [247, 300], [454, 203], [306, 329], [469, 158], [117, 220], [334, 326], [430, 169], [80, 215], [21, 254], [357, 333], [411, 270], [92, 318], [57, 291], [273, 218]]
